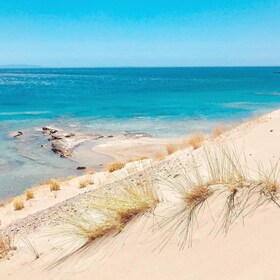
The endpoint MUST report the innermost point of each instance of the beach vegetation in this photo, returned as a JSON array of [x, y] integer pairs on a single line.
[[138, 158], [6, 245], [223, 173], [54, 185], [196, 140], [85, 182], [30, 246], [171, 148], [159, 155], [132, 198], [114, 166], [218, 131], [18, 203], [107, 214], [29, 194]]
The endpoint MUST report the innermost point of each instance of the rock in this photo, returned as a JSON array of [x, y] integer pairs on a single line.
[[97, 136], [60, 142], [137, 135], [60, 135], [81, 167], [16, 134], [47, 130], [60, 149]]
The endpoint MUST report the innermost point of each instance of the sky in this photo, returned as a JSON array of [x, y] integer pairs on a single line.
[[107, 33]]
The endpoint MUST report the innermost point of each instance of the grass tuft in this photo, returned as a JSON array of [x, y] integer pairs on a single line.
[[85, 182], [18, 203], [132, 198], [196, 140], [54, 186], [197, 196], [114, 166], [6, 245], [218, 131], [107, 214], [138, 158], [171, 148], [29, 194], [159, 155]]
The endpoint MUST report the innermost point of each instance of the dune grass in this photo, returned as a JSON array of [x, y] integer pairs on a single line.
[[85, 182], [107, 214], [84, 231], [29, 194], [114, 166], [138, 158], [218, 131], [159, 155], [54, 185], [130, 199], [192, 191], [6, 245], [171, 148], [18, 203], [196, 140], [223, 175]]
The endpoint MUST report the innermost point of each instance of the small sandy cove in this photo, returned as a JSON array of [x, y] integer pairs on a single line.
[[203, 224]]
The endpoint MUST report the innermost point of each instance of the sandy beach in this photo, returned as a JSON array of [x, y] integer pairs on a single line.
[[149, 247]]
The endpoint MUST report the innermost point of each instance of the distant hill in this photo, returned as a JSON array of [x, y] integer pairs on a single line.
[[16, 66]]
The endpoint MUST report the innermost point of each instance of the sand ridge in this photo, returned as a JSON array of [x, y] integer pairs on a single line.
[[250, 250]]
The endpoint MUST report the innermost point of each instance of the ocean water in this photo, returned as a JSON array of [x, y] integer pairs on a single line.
[[165, 102]]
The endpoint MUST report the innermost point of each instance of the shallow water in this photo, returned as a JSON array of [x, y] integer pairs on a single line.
[[165, 102]]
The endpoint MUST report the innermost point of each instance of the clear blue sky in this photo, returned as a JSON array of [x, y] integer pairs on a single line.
[[140, 33]]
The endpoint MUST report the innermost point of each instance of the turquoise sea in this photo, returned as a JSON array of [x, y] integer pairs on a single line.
[[165, 102]]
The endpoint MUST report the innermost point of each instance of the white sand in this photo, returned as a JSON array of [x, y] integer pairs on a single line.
[[250, 250]]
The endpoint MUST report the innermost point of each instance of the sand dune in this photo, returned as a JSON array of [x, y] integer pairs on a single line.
[[249, 250]]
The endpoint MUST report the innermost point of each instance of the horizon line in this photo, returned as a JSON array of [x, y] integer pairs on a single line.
[[26, 66]]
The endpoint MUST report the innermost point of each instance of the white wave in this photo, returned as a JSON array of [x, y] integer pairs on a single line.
[[274, 93], [30, 113]]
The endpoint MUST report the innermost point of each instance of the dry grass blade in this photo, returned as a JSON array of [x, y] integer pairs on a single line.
[[81, 232], [196, 140], [171, 148], [131, 198], [85, 182], [138, 158], [30, 246], [229, 173], [193, 192], [6, 245], [267, 186], [18, 203], [107, 214], [218, 131], [54, 186], [219, 171], [114, 166], [29, 194]]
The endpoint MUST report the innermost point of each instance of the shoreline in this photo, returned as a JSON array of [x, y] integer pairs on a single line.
[[123, 148], [93, 151], [47, 211]]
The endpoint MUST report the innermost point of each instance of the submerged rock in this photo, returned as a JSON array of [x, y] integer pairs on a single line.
[[16, 134], [60, 148], [60, 135], [48, 130], [81, 167], [137, 134]]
